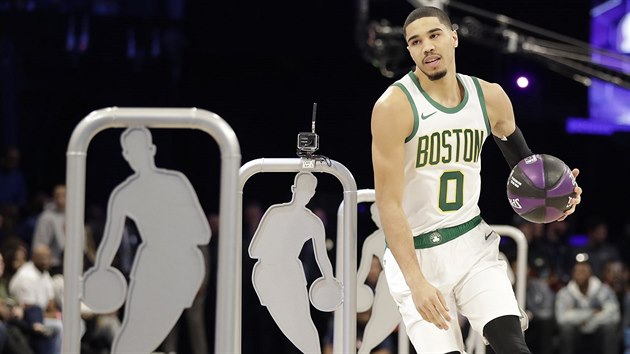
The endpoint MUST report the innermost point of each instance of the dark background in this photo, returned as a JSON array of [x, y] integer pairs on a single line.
[[261, 66]]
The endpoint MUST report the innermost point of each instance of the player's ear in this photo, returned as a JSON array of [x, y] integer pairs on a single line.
[[455, 38]]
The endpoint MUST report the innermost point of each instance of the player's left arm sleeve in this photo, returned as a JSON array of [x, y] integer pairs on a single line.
[[513, 147]]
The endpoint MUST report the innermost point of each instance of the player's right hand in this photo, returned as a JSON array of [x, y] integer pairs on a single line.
[[431, 304], [575, 200]]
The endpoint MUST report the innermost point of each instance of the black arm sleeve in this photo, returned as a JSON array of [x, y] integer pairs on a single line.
[[513, 147]]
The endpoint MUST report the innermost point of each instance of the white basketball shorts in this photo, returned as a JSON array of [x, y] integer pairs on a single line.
[[473, 280]]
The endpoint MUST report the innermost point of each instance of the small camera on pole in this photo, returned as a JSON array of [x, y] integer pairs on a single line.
[[308, 142]]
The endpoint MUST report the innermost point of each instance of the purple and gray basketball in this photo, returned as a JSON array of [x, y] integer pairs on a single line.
[[540, 188]]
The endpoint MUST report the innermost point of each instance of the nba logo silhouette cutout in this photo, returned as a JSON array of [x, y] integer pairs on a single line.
[[169, 267], [385, 316], [278, 275]]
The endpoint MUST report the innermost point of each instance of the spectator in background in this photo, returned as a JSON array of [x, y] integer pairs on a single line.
[[15, 255], [615, 275], [587, 312], [624, 243], [13, 189], [13, 329], [50, 228], [538, 250], [28, 219], [540, 310], [556, 235], [33, 286], [599, 249]]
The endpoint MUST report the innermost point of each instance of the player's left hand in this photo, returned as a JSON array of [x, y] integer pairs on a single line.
[[575, 200]]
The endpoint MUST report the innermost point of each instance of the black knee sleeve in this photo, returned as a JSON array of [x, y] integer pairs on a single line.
[[505, 336]]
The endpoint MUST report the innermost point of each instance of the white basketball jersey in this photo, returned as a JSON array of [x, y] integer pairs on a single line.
[[443, 156]]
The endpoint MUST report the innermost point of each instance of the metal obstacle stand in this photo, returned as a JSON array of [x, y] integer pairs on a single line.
[[521, 266], [363, 196], [228, 331], [521, 259], [349, 256], [368, 195]]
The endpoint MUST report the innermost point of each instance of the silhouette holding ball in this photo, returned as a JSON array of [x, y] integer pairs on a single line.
[[169, 266], [278, 275]]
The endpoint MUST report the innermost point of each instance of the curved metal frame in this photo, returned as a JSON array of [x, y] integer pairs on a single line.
[[76, 156], [349, 257]]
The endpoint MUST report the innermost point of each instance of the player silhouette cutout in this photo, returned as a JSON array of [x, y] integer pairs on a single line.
[[385, 316], [278, 275], [169, 266]]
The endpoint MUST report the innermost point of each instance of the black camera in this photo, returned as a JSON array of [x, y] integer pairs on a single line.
[[308, 142]]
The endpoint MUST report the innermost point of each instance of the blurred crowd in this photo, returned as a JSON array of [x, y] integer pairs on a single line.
[[32, 240], [578, 288]]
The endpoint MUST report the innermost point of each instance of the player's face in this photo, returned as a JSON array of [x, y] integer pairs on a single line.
[[432, 47]]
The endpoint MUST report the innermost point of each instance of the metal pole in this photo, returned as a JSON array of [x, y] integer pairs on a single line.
[[521, 259], [363, 196]]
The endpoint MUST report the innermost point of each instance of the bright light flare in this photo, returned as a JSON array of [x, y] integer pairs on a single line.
[[522, 82]]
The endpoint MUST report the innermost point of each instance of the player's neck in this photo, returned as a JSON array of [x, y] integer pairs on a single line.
[[446, 91]]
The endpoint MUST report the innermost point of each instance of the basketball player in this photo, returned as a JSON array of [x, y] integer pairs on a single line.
[[428, 129]]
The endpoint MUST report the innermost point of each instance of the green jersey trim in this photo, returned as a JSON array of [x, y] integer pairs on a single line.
[[413, 108], [482, 101], [436, 104]]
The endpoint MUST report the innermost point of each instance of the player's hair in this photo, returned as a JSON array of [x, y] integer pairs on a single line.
[[427, 11]]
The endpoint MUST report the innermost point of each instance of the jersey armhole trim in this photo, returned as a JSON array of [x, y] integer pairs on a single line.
[[482, 101], [413, 108]]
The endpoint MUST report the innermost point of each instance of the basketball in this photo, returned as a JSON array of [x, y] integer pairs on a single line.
[[365, 298], [104, 291], [540, 188], [326, 294]]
